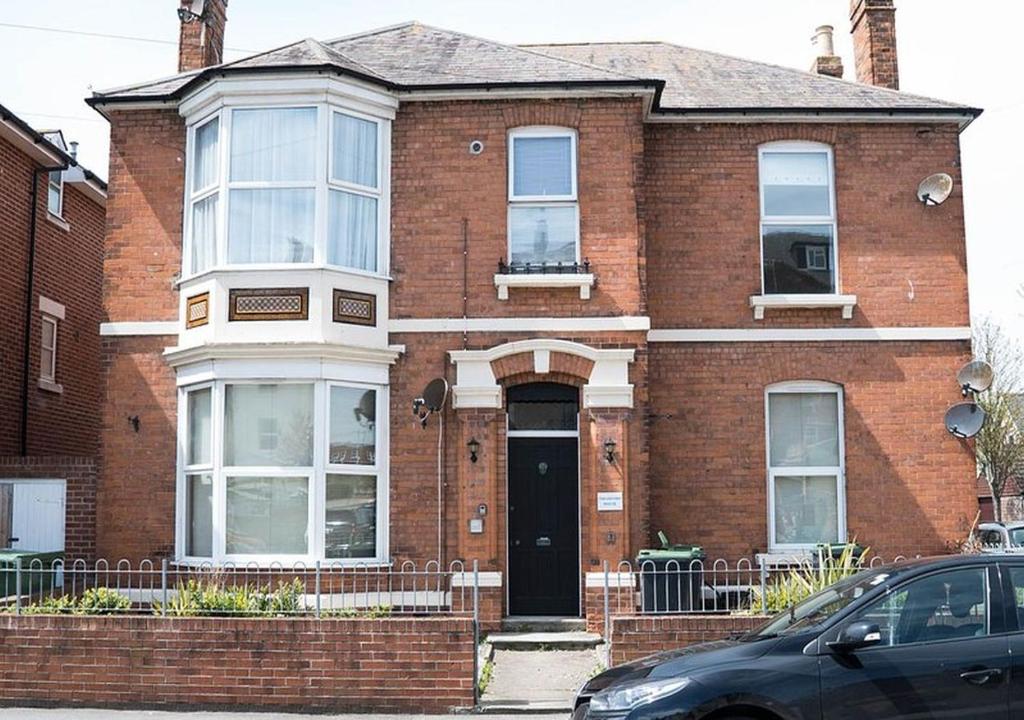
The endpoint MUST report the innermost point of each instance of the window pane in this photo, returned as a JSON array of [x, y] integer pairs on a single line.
[[49, 330], [204, 156], [53, 199], [199, 427], [806, 509], [46, 363], [268, 425], [267, 515], [355, 150], [542, 165], [199, 515], [798, 259], [273, 145], [946, 606], [351, 521], [271, 226], [204, 233], [352, 231], [795, 184], [543, 234], [353, 426], [804, 429]]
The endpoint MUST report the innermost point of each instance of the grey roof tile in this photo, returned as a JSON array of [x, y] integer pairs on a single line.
[[415, 56]]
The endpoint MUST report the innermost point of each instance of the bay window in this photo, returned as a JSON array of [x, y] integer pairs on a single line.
[[543, 207], [280, 186], [805, 465], [283, 471], [798, 219]]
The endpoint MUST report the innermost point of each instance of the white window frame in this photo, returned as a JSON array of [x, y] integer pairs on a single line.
[[48, 375], [316, 474], [321, 184], [791, 146], [542, 201], [839, 471], [59, 212]]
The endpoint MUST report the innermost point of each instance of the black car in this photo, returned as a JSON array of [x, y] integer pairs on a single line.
[[932, 638]]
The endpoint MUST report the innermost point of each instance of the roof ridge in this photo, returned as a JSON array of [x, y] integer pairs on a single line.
[[375, 31]]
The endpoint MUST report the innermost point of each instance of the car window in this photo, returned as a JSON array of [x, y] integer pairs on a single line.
[[944, 606], [1017, 536], [991, 538], [1017, 578]]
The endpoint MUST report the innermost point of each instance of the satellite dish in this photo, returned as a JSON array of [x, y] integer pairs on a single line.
[[964, 420], [367, 407], [431, 401], [435, 393], [976, 376], [934, 189]]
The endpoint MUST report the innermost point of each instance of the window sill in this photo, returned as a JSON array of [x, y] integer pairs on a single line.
[[50, 386], [792, 302], [58, 221], [583, 281]]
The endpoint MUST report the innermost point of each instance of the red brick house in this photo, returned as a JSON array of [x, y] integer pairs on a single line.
[[669, 290], [51, 229]]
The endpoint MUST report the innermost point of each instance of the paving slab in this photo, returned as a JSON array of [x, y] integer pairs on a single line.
[[544, 680]]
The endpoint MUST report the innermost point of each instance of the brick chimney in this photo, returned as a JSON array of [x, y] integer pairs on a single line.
[[873, 24], [201, 40], [826, 61]]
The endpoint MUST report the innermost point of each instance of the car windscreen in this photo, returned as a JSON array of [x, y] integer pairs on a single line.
[[818, 608], [1017, 537]]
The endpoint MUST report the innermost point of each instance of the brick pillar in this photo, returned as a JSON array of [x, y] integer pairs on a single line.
[[478, 484], [873, 25], [605, 533]]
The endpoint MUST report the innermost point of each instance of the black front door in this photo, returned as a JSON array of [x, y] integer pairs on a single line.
[[543, 526]]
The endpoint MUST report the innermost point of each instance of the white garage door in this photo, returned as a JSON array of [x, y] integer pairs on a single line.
[[32, 514]]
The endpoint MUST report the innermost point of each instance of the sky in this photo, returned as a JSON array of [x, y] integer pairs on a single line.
[[949, 49]]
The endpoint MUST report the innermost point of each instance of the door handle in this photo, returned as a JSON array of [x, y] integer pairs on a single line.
[[981, 677], [543, 541]]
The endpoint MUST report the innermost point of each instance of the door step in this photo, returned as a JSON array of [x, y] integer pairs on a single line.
[[574, 640], [542, 624]]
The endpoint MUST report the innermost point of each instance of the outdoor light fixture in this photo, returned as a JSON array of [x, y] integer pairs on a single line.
[[133, 420], [186, 15], [609, 450], [474, 448]]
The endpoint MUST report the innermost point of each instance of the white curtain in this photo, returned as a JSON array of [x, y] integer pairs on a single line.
[[352, 230], [199, 427], [204, 156], [355, 150], [267, 515], [268, 425], [204, 233], [542, 165], [271, 226], [803, 429], [273, 145]]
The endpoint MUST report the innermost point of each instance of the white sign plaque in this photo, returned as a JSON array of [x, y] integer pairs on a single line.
[[608, 501]]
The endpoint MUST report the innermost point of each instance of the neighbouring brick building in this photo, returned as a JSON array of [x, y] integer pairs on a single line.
[[51, 230], [669, 290]]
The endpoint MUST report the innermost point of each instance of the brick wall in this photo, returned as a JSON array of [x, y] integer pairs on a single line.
[[79, 474], [389, 665], [708, 466], [905, 262], [67, 270], [640, 636]]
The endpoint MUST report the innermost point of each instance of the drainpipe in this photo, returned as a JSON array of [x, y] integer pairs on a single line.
[[29, 293]]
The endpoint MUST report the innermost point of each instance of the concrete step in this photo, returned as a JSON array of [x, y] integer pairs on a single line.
[[542, 623], [574, 640], [523, 707]]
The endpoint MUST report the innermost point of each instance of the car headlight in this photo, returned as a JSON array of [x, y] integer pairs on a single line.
[[627, 697]]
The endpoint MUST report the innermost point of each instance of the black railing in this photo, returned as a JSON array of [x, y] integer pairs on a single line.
[[543, 268]]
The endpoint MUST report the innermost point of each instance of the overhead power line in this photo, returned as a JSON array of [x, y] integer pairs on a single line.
[[106, 36]]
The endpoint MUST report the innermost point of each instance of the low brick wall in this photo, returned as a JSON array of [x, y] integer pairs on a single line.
[[638, 636], [418, 665]]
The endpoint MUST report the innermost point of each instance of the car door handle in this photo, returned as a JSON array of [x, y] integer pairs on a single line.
[[981, 677]]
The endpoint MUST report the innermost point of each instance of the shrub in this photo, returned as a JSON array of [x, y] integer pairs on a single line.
[[195, 599], [102, 601], [801, 582]]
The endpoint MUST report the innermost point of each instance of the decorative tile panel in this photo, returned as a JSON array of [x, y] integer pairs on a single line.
[[268, 304], [355, 308], [197, 310]]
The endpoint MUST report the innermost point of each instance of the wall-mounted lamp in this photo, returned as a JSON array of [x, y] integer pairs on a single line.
[[133, 420], [474, 448], [609, 450]]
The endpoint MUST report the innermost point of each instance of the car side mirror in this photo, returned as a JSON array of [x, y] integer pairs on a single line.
[[856, 636]]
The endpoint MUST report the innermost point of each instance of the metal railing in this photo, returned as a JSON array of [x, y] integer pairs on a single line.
[[162, 587], [702, 586]]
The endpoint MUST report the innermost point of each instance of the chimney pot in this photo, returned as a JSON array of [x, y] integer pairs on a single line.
[[826, 61], [74, 149], [201, 33], [873, 26]]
